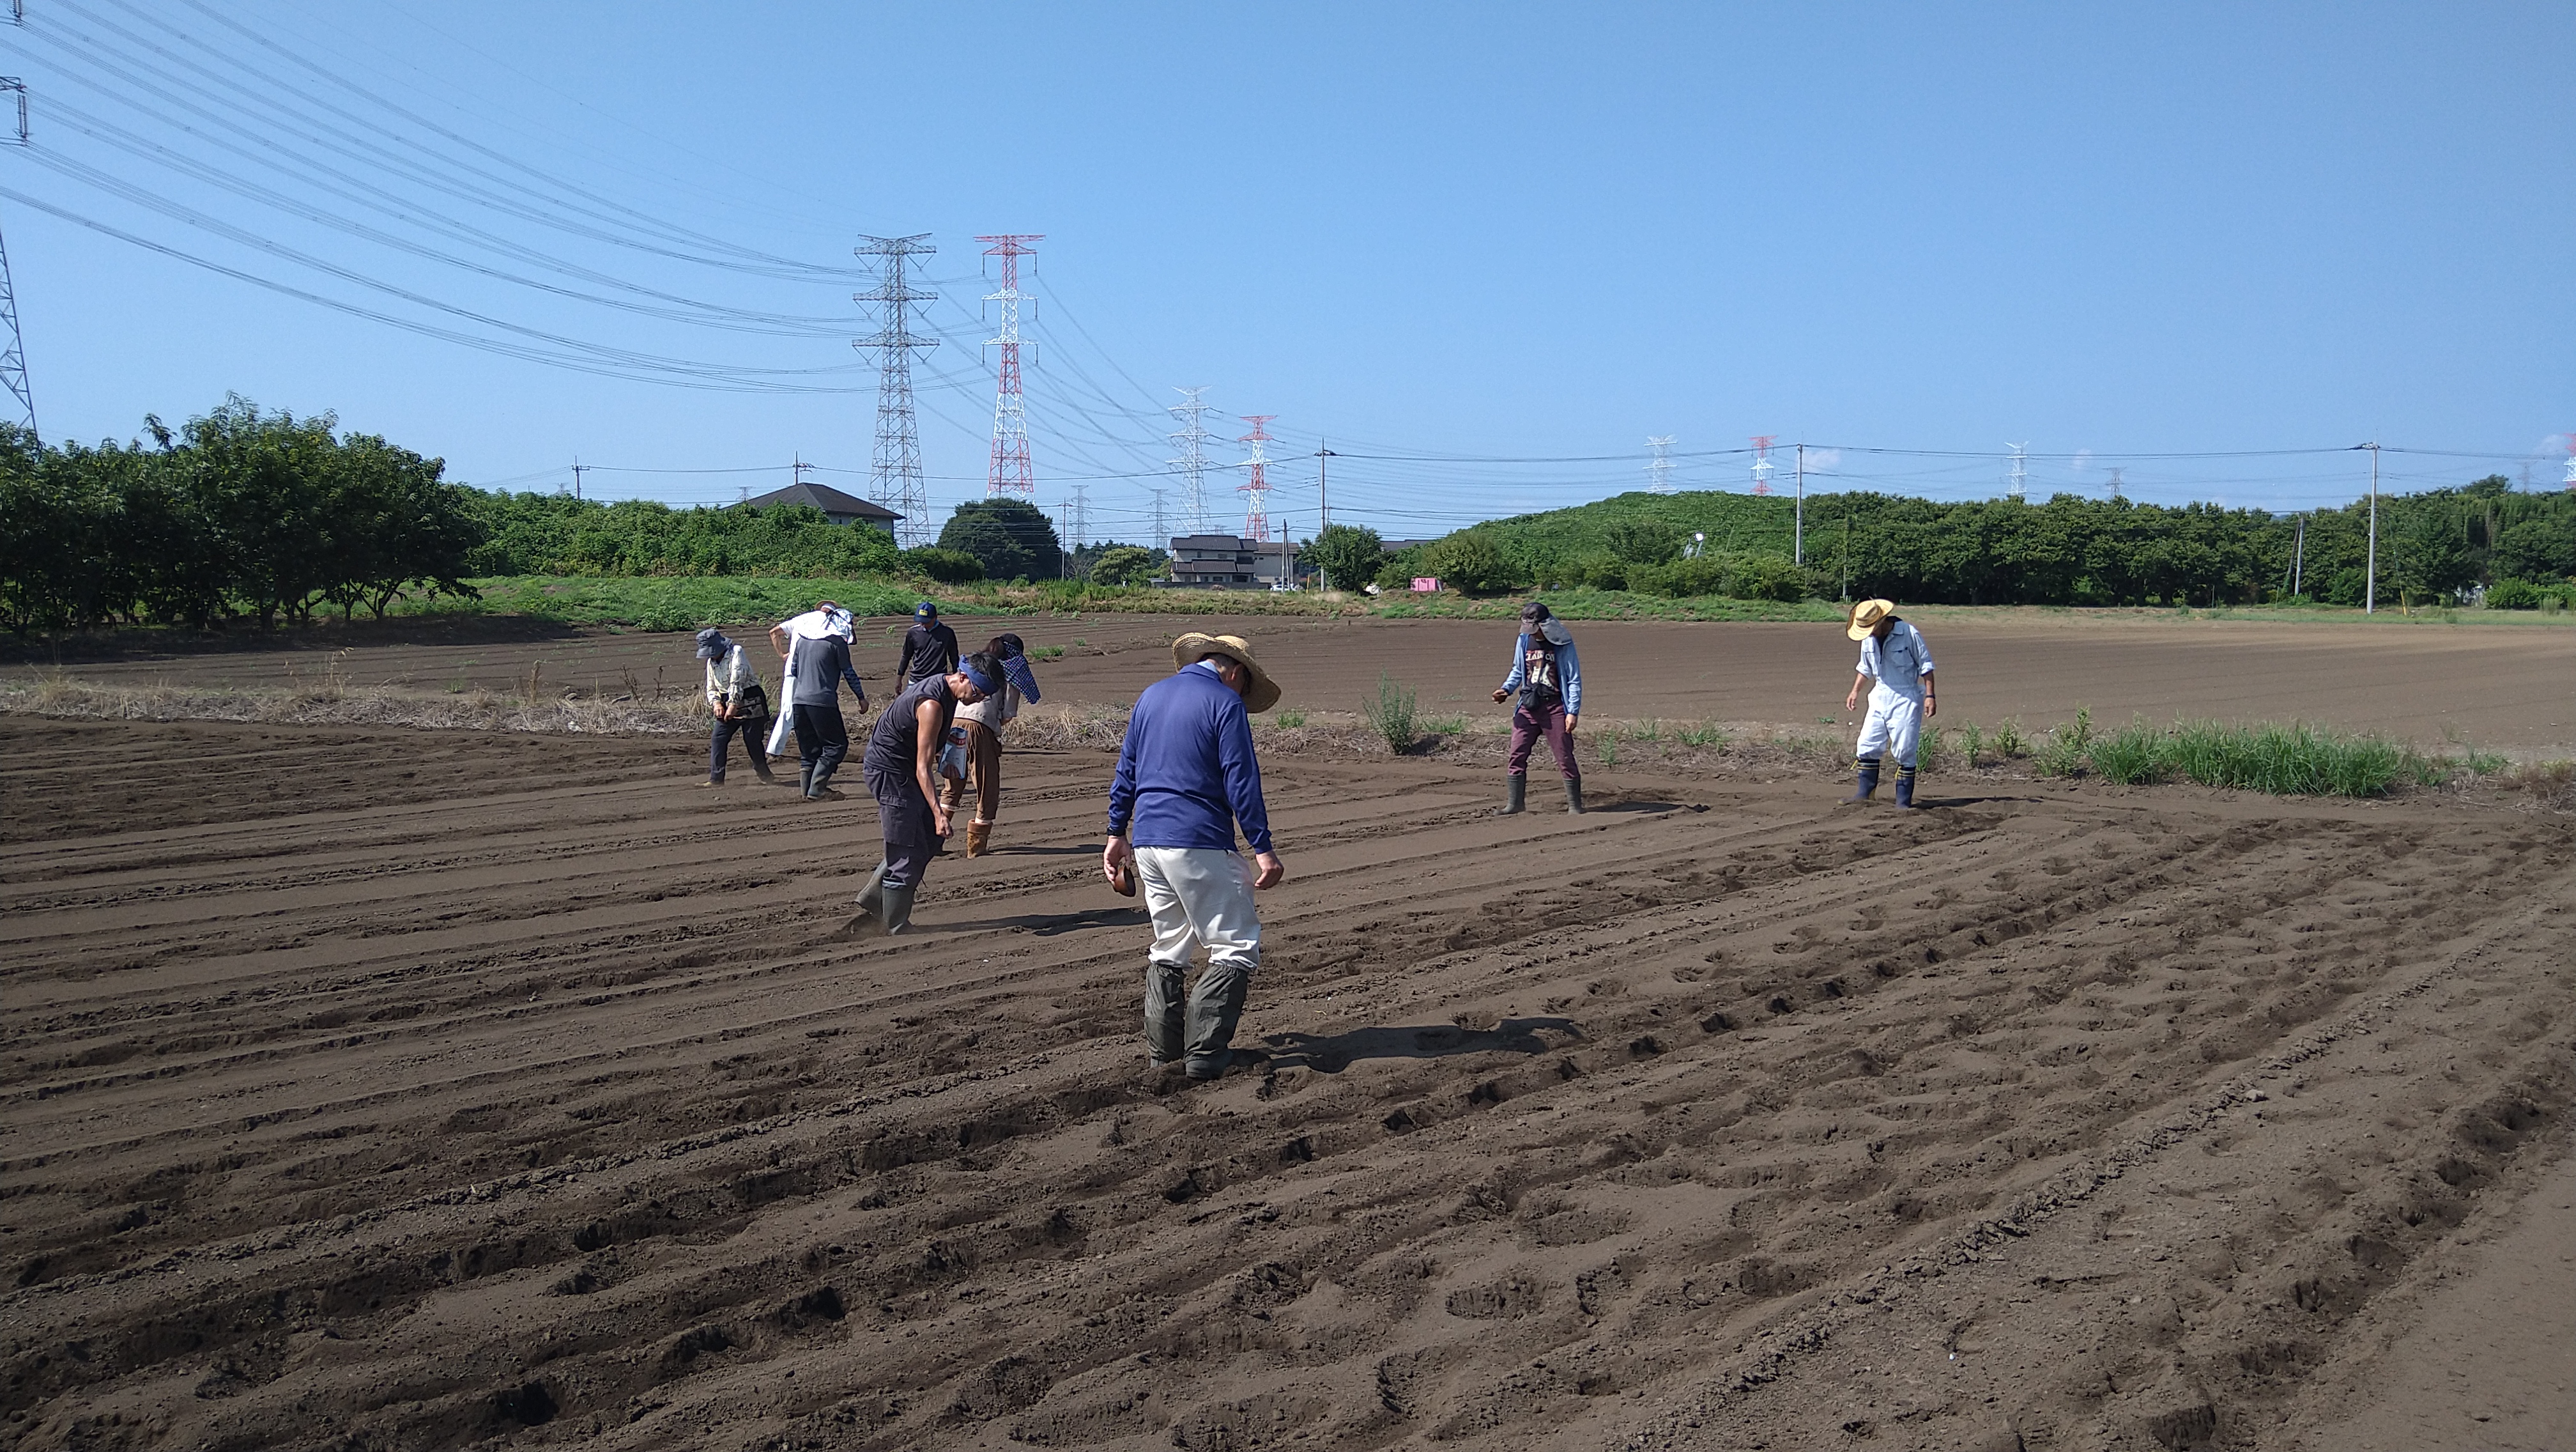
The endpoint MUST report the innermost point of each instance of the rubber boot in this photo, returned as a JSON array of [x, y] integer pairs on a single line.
[[1905, 786], [1163, 1010], [1574, 796], [872, 894], [1868, 780], [895, 907], [760, 764], [1215, 1008], [819, 788], [979, 838], [804, 778], [1515, 795]]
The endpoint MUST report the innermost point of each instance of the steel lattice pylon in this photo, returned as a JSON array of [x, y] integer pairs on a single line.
[[1011, 475], [13, 350], [1256, 491], [1193, 460], [895, 475]]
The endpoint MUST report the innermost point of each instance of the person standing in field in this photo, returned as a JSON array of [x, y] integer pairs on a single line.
[[929, 647], [1186, 778], [982, 723], [816, 646], [1896, 665], [900, 769], [740, 704], [1549, 678]]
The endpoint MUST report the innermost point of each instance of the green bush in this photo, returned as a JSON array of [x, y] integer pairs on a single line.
[[948, 567], [1391, 712], [1127, 565], [1468, 561], [1767, 577], [2527, 595]]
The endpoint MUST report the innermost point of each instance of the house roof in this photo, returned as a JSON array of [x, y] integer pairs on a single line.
[[825, 498]]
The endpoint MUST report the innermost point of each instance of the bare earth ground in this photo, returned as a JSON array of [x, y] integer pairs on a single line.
[[383, 1089], [2500, 687]]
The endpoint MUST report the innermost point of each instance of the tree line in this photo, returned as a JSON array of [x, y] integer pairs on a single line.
[[2439, 545]]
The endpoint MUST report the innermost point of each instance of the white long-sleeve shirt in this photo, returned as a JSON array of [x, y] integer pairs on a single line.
[[729, 678], [1899, 663]]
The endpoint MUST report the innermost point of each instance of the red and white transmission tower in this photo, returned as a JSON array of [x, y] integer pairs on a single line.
[[1762, 465], [1011, 475], [1256, 493]]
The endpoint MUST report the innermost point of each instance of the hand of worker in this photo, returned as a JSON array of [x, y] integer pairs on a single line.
[[1571, 721], [938, 819], [1498, 695], [1114, 858], [1272, 872], [1931, 704], [1852, 701]]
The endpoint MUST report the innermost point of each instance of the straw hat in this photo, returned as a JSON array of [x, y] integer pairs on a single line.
[[1187, 651], [1866, 615]]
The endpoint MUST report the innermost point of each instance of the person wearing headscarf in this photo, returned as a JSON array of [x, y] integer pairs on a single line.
[[900, 769], [981, 724], [929, 647], [740, 704], [1549, 680], [816, 648]]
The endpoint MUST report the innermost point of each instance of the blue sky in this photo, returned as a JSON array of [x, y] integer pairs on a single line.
[[1435, 235]]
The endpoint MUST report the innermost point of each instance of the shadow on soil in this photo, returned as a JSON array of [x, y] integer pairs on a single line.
[[1332, 1053]]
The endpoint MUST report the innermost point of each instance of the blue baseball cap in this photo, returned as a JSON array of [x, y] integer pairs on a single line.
[[925, 611]]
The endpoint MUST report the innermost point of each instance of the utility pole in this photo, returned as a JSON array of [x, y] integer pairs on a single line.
[[1010, 476], [577, 469], [1193, 461], [894, 473], [796, 470], [1846, 552], [1798, 528], [2370, 563], [1659, 469], [13, 349], [2299, 559], [1323, 488], [1256, 491]]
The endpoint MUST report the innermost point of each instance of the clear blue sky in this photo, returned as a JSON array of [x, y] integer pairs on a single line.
[[1456, 231]]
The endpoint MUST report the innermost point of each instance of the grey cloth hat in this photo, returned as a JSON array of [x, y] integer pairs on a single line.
[[712, 644]]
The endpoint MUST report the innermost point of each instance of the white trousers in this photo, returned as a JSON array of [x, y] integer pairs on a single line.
[[1200, 896], [1895, 724]]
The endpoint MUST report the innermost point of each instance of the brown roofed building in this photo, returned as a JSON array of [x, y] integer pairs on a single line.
[[837, 507]]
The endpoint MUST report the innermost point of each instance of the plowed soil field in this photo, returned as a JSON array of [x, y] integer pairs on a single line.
[[393, 1090]]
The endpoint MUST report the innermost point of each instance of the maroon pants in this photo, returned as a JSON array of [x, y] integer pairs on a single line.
[[1528, 726]]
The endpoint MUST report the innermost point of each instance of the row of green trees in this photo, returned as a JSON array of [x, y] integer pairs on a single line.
[[236, 514], [2067, 550]]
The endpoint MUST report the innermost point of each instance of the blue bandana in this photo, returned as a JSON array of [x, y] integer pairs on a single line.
[[983, 682]]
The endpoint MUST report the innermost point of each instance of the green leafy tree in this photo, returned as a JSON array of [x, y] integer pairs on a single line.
[[1126, 565], [1469, 561], [1350, 555], [1643, 541], [1014, 540], [947, 566]]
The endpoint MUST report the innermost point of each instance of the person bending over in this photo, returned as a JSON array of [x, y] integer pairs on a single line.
[[900, 768]]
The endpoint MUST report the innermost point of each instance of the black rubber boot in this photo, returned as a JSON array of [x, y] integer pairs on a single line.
[[1868, 780], [805, 779], [895, 905], [1905, 786], [819, 788], [1215, 1008], [1515, 795], [872, 895], [1164, 1005], [1574, 796]]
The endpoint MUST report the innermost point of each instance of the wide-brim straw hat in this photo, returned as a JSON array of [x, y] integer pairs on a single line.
[[1866, 615], [1187, 651]]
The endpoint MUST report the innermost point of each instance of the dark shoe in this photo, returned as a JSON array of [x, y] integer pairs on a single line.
[[871, 895], [1868, 780], [1515, 794], [823, 794], [1905, 786], [761, 769], [896, 905], [1574, 796], [805, 779]]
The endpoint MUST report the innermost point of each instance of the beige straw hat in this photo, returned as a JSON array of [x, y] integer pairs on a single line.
[[1187, 651], [1866, 615]]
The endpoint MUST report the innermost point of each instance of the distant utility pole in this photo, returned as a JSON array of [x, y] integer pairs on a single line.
[[1256, 491], [894, 473], [1762, 465], [1323, 488], [1798, 529], [2370, 562], [578, 468], [2017, 482], [1659, 469], [1193, 460], [796, 470], [1011, 475], [2299, 559], [13, 349]]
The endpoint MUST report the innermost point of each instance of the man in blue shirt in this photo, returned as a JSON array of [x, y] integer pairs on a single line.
[[1186, 777]]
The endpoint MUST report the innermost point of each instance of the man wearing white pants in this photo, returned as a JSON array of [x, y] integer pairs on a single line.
[[1896, 665], [1186, 777]]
